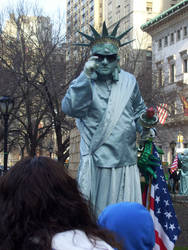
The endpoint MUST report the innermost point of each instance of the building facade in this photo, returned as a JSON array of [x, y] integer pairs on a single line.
[[169, 32], [81, 13], [33, 27], [133, 14]]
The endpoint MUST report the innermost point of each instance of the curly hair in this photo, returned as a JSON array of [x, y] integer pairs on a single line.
[[39, 199]]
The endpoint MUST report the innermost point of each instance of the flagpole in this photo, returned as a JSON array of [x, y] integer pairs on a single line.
[[149, 194]]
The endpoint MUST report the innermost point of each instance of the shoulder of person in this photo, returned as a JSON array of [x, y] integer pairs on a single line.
[[127, 75], [77, 240]]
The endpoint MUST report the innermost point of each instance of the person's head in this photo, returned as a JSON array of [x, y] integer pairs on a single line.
[[105, 46], [132, 224], [38, 199], [108, 59]]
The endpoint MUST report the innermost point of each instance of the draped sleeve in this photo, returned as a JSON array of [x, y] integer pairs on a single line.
[[138, 106]]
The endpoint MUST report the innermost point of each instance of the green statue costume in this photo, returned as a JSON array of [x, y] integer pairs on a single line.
[[184, 173], [107, 104]]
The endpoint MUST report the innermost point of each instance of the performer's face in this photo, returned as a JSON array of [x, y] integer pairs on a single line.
[[106, 64], [107, 58]]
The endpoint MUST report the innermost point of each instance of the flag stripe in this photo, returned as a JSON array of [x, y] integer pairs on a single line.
[[152, 203], [162, 113], [174, 165], [159, 241], [161, 235]]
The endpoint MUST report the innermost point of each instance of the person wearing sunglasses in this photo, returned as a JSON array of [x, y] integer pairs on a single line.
[[107, 104]]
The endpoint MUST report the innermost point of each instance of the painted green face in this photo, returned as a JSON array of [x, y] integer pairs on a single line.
[[106, 64], [107, 58]]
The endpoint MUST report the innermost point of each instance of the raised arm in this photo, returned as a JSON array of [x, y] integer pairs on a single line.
[[79, 95]]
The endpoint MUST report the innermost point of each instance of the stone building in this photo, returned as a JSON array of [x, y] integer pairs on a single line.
[[133, 14], [169, 32], [80, 14]]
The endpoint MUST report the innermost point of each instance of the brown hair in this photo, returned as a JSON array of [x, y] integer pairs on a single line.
[[39, 199]]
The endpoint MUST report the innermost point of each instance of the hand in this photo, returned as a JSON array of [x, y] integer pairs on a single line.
[[90, 66]]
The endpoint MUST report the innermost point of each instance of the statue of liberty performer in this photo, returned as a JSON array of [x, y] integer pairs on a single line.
[[107, 104]]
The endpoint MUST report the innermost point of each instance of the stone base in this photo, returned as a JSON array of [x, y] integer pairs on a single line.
[[180, 203]]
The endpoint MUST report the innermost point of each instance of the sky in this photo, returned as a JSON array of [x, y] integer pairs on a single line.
[[49, 6]]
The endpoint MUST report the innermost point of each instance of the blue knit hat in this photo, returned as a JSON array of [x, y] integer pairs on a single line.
[[132, 224]]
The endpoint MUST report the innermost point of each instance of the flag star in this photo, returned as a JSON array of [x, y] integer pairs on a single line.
[[161, 167], [157, 199], [175, 237], [172, 227], [168, 215], [158, 211], [162, 178], [164, 189], [166, 203], [156, 187], [166, 226]]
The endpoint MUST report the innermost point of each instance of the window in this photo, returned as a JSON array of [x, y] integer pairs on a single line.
[[185, 31], [172, 73], [184, 57], [149, 7], [185, 66], [172, 37], [178, 35], [160, 81], [148, 55], [83, 18], [160, 43], [166, 41], [160, 77]]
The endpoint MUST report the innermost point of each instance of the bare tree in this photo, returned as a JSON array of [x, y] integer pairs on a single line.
[[33, 62]]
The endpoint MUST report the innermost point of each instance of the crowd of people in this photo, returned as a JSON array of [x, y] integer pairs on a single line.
[[178, 174], [42, 208]]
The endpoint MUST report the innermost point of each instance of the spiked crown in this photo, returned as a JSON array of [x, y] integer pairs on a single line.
[[105, 37]]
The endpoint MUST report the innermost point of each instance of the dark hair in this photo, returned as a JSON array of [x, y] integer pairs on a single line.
[[39, 199]]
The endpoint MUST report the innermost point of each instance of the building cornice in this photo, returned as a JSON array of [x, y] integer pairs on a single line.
[[164, 15]]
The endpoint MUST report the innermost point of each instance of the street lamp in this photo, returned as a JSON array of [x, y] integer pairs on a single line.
[[6, 105]]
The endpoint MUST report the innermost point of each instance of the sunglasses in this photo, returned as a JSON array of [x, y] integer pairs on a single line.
[[109, 58]]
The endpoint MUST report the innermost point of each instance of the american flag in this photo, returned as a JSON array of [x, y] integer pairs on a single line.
[[162, 211], [162, 113], [174, 165]]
